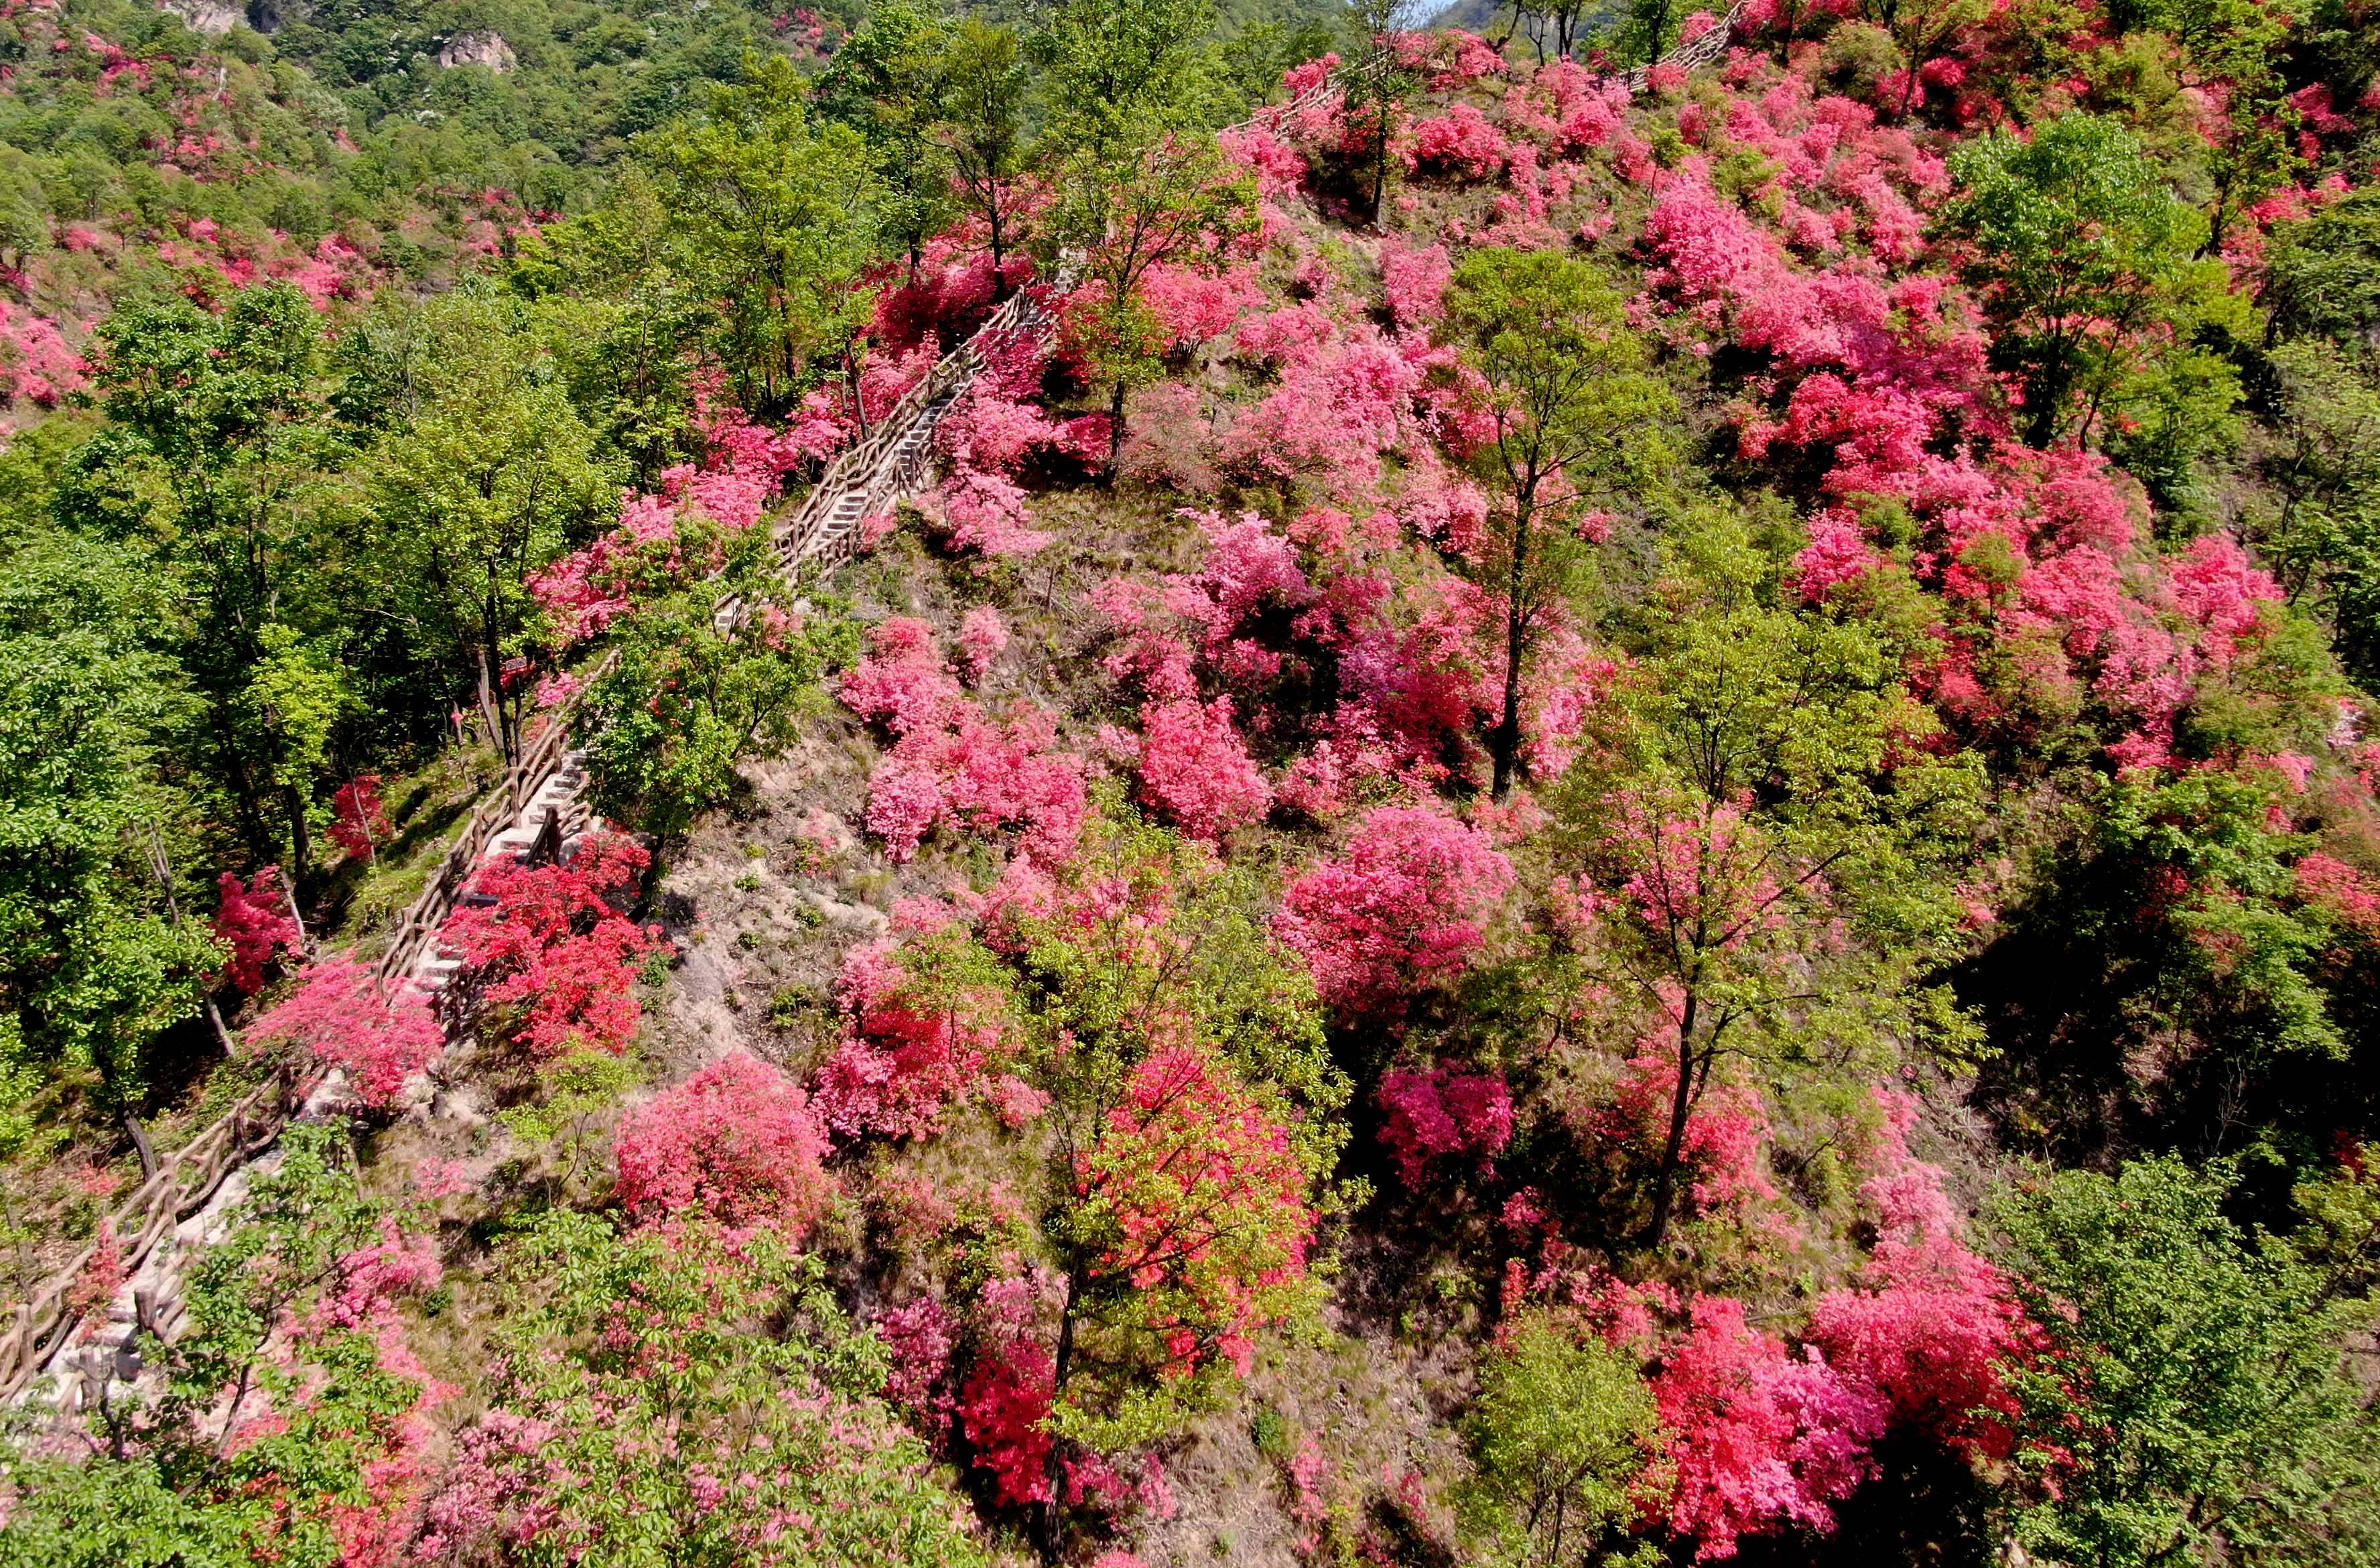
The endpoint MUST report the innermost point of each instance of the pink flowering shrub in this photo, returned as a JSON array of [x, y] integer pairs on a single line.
[[380, 1035], [1404, 909], [1196, 770], [737, 1140], [901, 683], [254, 922], [1442, 1112], [982, 636], [1414, 281], [981, 773]]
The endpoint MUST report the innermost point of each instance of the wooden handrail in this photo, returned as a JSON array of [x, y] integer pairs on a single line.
[[185, 1180]]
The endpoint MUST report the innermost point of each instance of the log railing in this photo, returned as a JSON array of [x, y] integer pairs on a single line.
[[416, 930], [186, 1179]]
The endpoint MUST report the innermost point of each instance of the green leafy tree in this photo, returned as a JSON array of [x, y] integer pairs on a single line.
[[692, 694], [2189, 1391], [1776, 847], [1119, 73], [890, 81], [1563, 1438], [701, 1399], [213, 466], [485, 475], [2320, 455], [1577, 420], [984, 92], [1171, 198], [2083, 259], [90, 968], [776, 214]]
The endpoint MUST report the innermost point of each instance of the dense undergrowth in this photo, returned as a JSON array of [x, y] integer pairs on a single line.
[[1595, 829]]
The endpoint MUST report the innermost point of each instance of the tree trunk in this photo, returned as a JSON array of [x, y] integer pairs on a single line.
[[999, 279], [141, 1142], [1115, 432], [1504, 741], [301, 841], [1053, 1543], [1681, 1103]]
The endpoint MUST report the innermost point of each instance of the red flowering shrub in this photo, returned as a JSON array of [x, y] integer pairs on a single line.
[[1442, 1113], [1004, 1411], [359, 826], [1404, 910], [737, 1139], [1765, 1441], [255, 923], [547, 948], [1459, 142], [379, 1036], [1928, 1322]]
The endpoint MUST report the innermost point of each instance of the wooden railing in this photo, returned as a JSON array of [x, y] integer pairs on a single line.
[[186, 1179], [1708, 50], [417, 927]]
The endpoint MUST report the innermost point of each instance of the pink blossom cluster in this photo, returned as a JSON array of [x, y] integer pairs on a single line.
[[736, 1140], [1403, 909]]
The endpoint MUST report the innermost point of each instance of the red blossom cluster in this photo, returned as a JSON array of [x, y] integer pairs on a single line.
[[254, 922], [380, 1035], [550, 951]]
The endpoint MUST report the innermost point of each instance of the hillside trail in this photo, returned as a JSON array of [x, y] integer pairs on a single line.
[[57, 1354]]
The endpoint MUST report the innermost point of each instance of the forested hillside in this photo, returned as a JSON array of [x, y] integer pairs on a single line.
[[1595, 793]]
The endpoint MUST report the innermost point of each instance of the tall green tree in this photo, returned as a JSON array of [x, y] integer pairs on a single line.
[[213, 466], [1170, 198], [2188, 1401], [92, 964], [485, 474], [1577, 421], [984, 95], [890, 81], [775, 213], [2085, 262]]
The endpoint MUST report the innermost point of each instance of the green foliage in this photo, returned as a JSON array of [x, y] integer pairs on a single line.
[[1562, 1438], [2188, 1395], [211, 472], [774, 211], [688, 699], [2082, 255], [91, 968], [483, 474], [663, 1366]]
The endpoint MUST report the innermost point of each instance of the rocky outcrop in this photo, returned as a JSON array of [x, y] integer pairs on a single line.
[[211, 18], [477, 46]]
